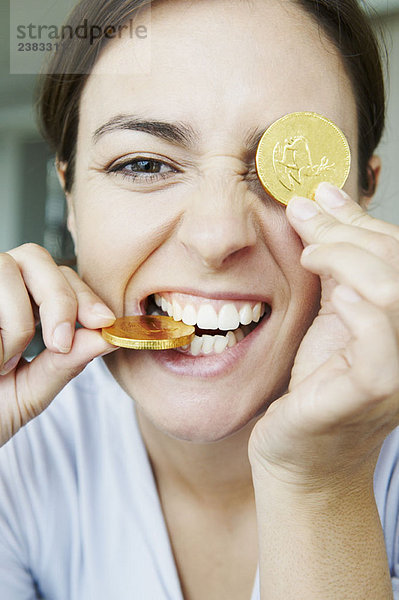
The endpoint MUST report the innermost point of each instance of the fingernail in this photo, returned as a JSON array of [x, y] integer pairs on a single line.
[[62, 337], [309, 249], [11, 364], [104, 312], [303, 208], [330, 196], [347, 293]]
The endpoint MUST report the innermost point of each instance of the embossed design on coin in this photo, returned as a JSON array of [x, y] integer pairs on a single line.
[[298, 152], [292, 162], [148, 332]]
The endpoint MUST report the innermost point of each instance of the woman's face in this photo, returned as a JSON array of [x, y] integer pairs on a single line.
[[194, 225]]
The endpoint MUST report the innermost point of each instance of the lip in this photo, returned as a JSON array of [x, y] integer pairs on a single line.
[[214, 365], [221, 295]]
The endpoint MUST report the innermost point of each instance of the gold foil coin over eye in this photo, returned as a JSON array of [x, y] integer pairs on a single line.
[[299, 151], [148, 332]]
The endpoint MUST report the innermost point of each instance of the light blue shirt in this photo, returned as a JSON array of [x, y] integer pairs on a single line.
[[80, 517]]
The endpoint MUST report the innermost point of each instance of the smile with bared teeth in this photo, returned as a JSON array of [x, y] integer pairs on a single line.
[[219, 324]]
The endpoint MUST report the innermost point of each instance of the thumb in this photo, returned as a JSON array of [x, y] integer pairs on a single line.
[[38, 382]]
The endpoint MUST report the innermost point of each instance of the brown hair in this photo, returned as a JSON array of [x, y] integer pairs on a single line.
[[343, 21]]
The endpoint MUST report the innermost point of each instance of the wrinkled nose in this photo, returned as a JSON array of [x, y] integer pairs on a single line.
[[218, 223]]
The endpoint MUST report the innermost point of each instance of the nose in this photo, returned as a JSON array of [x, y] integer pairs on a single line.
[[219, 221]]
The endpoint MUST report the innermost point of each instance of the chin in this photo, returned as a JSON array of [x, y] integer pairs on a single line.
[[200, 412], [200, 417], [203, 427]]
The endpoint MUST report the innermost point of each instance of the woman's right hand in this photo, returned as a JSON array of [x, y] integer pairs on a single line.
[[34, 289]]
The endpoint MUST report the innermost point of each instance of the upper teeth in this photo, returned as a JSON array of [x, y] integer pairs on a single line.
[[206, 316]]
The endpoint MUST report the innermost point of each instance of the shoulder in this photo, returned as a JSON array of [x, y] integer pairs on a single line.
[[386, 477], [43, 459], [78, 406], [386, 490], [61, 476]]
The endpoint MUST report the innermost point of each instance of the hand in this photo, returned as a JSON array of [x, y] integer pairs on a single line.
[[343, 397], [31, 284]]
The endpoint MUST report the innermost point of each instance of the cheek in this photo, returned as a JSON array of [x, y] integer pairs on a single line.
[[282, 241], [115, 237], [300, 293], [304, 285]]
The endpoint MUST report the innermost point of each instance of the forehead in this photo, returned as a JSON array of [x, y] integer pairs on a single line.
[[221, 65]]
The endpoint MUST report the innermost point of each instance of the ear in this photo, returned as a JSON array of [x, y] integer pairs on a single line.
[[374, 172], [71, 223]]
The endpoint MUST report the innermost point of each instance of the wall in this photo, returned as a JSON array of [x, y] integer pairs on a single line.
[[386, 204]]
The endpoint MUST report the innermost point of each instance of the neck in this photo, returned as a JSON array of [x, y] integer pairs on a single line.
[[217, 473]]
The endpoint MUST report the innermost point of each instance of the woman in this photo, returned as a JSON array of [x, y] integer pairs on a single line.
[[103, 501]]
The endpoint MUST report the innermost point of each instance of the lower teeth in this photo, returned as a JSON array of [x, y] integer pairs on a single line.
[[212, 344]]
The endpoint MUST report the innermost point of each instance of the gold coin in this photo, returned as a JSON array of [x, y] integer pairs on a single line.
[[148, 332], [298, 152]]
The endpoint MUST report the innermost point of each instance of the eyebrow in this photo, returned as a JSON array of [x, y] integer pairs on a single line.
[[253, 138], [176, 132]]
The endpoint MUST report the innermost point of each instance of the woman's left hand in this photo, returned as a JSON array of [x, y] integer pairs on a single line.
[[343, 397]]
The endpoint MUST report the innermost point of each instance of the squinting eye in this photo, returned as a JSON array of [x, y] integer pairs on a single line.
[[144, 169]]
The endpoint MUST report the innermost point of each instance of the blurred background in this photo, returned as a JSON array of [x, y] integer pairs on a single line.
[[32, 205]]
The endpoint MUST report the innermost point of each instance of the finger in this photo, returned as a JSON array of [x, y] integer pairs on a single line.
[[373, 353], [92, 312], [325, 227], [38, 382], [17, 325], [11, 364], [373, 278], [361, 377], [51, 292], [337, 203], [315, 226]]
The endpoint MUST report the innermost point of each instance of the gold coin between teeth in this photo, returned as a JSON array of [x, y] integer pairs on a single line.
[[299, 151], [148, 332]]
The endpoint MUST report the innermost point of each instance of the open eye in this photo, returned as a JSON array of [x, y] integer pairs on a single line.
[[142, 169]]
